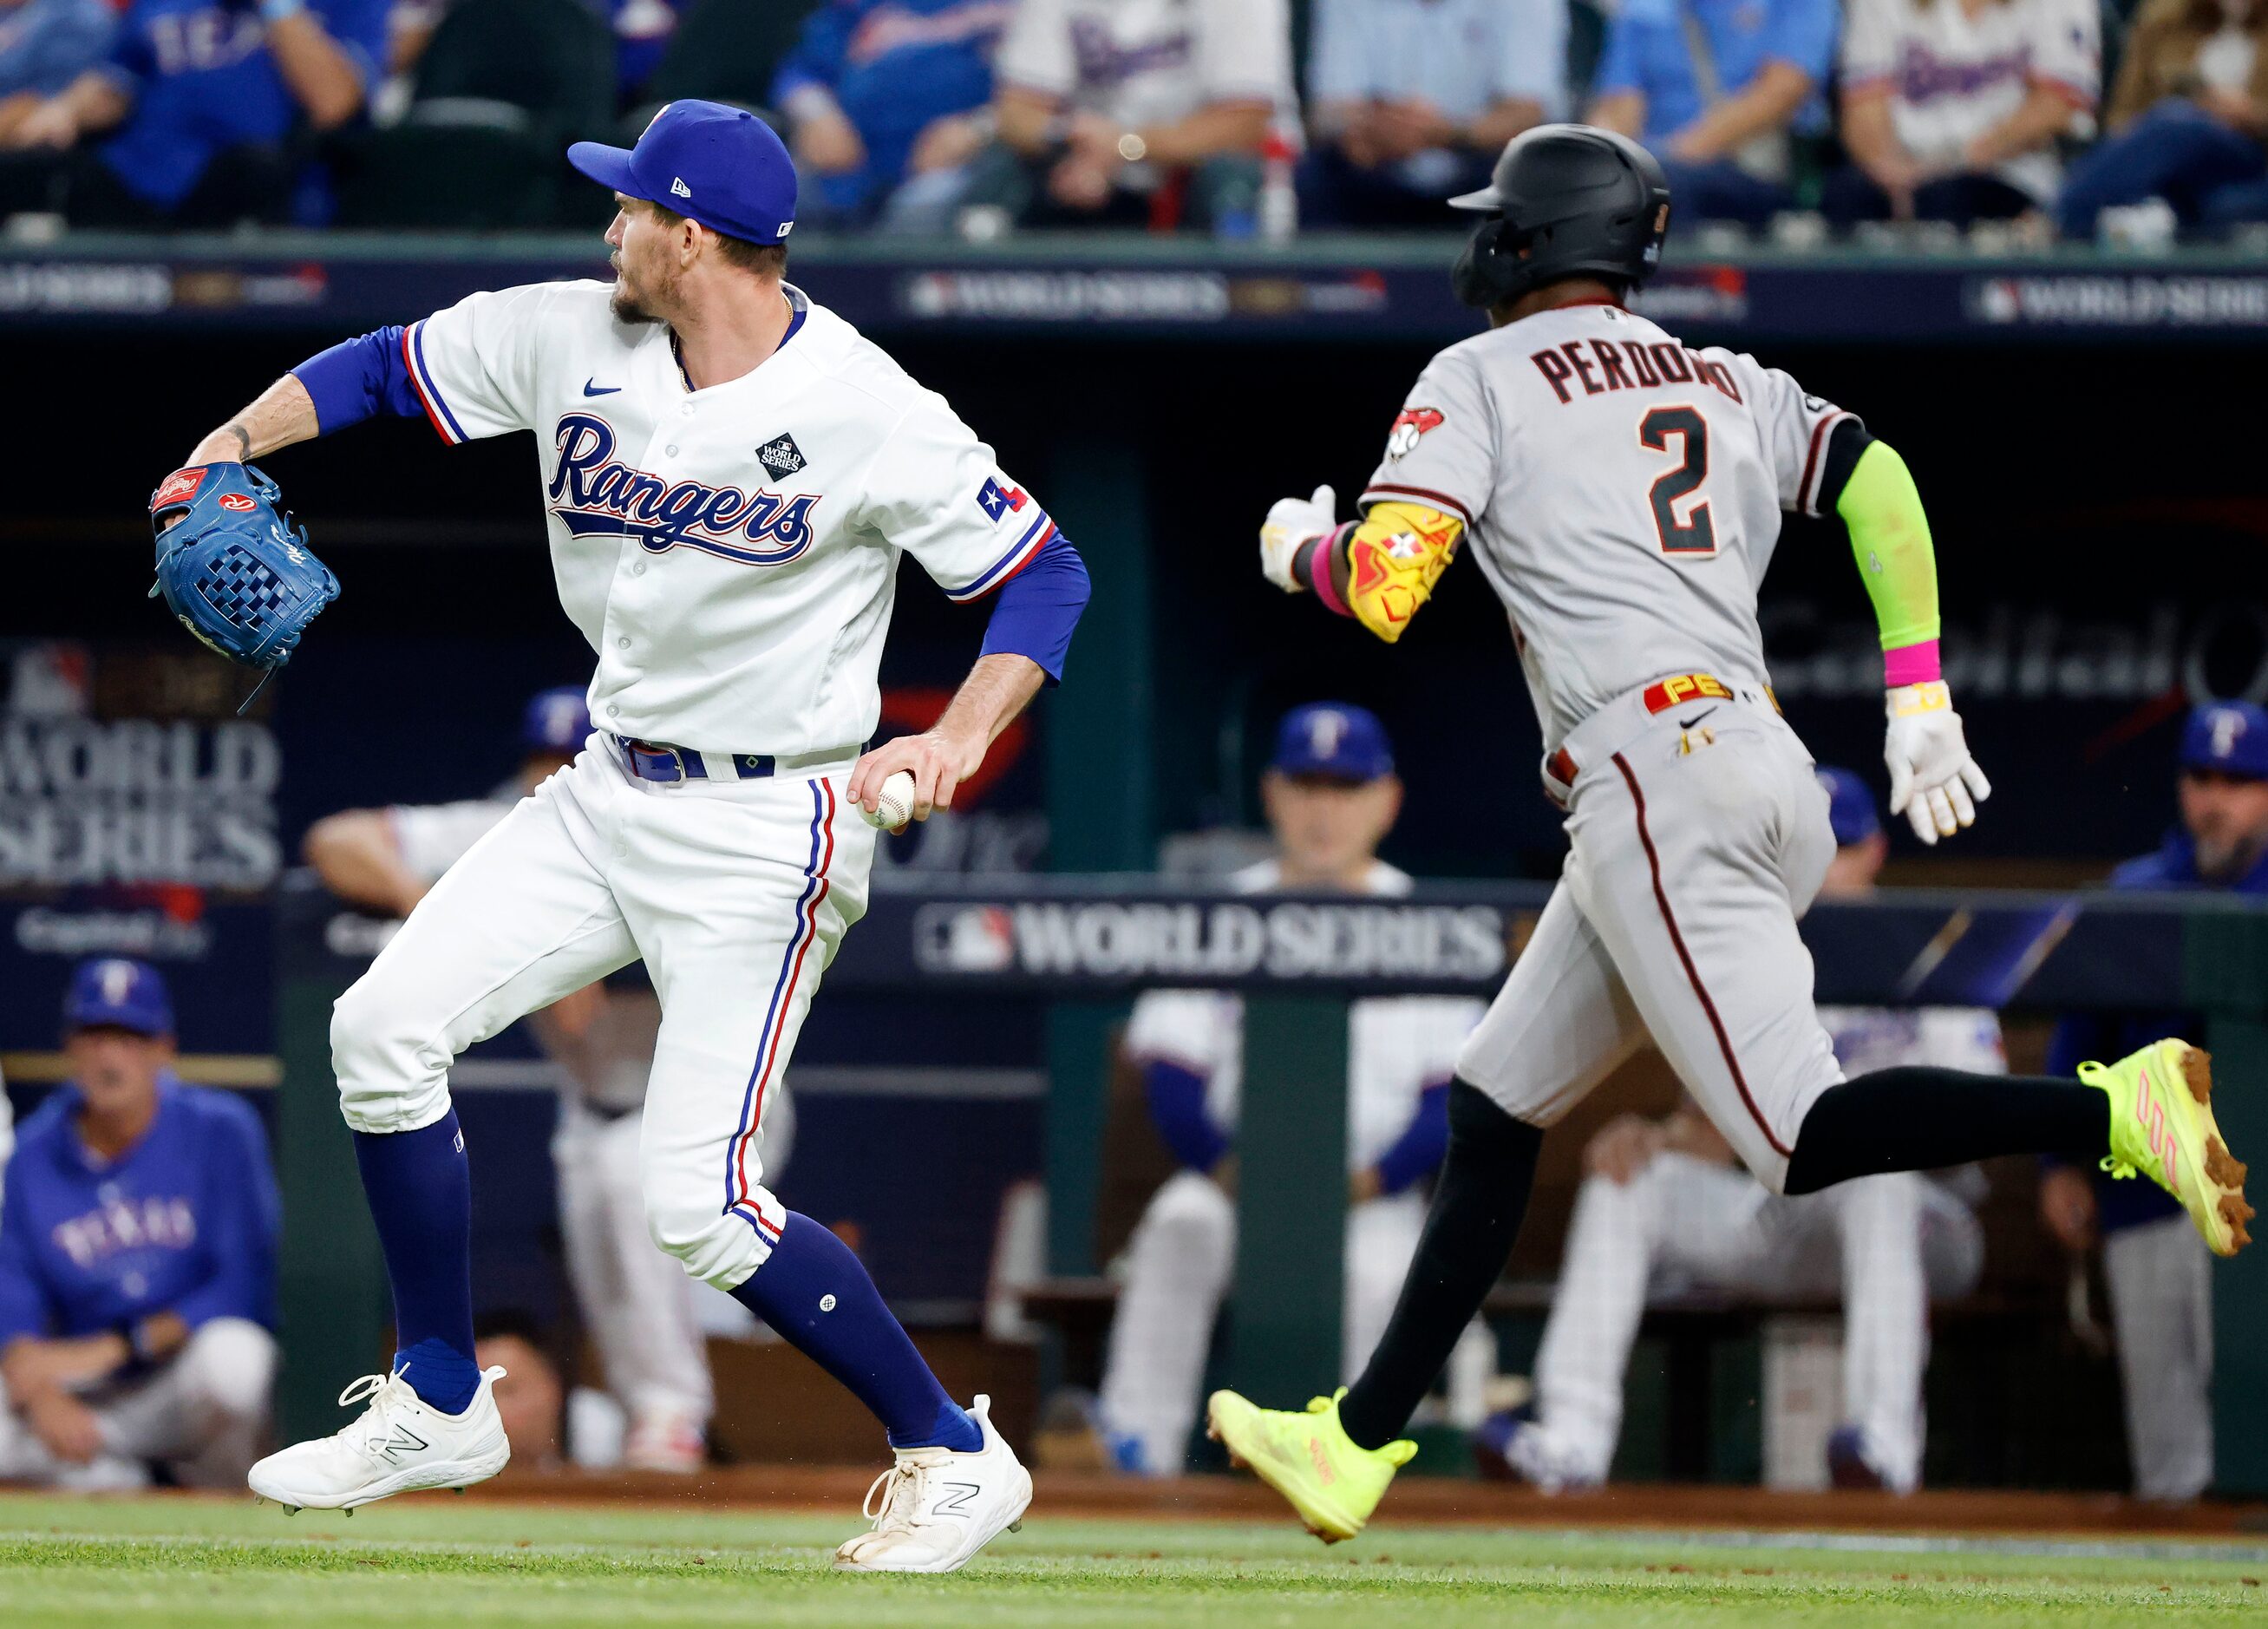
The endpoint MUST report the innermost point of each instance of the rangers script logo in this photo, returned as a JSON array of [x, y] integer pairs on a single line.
[[1409, 424]]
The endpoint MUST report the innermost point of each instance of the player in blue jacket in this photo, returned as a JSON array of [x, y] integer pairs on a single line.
[[2158, 1273], [137, 1260]]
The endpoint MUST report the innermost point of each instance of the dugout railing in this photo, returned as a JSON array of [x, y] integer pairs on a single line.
[[1087, 944]]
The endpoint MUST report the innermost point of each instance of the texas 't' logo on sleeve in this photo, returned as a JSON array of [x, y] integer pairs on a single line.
[[997, 500], [1409, 424]]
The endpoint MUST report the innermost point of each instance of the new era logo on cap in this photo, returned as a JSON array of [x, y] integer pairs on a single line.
[[678, 187]]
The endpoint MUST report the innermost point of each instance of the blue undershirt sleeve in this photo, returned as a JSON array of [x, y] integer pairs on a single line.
[[1418, 1151], [360, 379], [1039, 607], [238, 1228], [1177, 1105]]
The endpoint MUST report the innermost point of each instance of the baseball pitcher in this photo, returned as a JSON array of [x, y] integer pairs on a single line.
[[730, 475], [1623, 492]]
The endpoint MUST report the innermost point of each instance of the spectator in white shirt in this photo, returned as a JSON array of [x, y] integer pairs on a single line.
[[1137, 112], [1413, 99], [1952, 108]]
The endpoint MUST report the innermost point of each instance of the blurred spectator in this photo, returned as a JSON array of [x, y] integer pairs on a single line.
[[45, 45], [1136, 114], [1952, 108], [137, 1260], [2186, 120], [1718, 90], [641, 1311], [2156, 1268], [205, 105], [881, 92], [1331, 796], [1412, 100], [641, 30], [1666, 1210]]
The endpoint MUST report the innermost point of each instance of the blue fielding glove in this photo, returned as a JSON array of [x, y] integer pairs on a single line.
[[233, 567]]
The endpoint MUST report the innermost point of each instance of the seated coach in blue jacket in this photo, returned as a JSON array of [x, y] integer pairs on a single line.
[[137, 1260]]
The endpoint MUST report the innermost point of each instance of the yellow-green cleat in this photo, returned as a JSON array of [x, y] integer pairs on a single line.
[[1309, 1458], [2162, 1123]]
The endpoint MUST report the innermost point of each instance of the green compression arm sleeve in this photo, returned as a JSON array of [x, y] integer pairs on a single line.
[[1889, 537]]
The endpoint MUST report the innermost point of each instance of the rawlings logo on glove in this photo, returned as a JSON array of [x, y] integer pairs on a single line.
[[233, 567]]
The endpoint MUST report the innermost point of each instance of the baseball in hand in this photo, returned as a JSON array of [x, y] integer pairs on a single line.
[[894, 805]]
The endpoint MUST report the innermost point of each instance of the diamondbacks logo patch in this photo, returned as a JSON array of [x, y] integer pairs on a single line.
[[1409, 424], [780, 459]]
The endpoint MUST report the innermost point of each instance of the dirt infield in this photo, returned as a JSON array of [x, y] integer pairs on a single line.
[[1444, 1501]]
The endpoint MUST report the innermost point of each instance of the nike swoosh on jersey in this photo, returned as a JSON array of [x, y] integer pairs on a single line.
[[1687, 723], [592, 387]]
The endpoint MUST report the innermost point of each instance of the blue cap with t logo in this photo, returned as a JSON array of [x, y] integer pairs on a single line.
[[720, 165], [1332, 739], [118, 993]]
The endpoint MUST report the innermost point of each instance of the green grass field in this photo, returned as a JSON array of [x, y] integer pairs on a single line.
[[153, 1562]]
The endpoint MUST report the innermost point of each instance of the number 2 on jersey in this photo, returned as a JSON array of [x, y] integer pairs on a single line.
[[1696, 535]]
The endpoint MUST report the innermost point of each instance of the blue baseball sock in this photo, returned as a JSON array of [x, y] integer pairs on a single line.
[[816, 1293], [420, 1189]]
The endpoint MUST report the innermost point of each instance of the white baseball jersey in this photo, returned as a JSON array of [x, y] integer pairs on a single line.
[[731, 553], [430, 837], [1150, 62], [1396, 1045], [1952, 75], [1622, 491]]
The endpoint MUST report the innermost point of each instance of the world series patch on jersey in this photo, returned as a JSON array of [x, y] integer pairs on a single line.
[[730, 553]]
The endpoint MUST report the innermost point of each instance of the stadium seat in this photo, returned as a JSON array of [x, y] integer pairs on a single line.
[[501, 90], [725, 50]]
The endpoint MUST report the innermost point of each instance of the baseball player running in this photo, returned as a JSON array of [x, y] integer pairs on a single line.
[[1665, 1210], [1624, 492], [730, 474]]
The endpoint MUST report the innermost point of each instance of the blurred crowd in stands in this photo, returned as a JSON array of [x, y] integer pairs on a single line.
[[2134, 120]]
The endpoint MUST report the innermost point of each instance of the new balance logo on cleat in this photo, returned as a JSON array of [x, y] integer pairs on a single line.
[[403, 1440], [958, 1505]]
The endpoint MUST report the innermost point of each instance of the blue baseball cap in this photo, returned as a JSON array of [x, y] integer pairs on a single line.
[[1333, 738], [2228, 736], [119, 992], [556, 720], [721, 165], [1850, 806]]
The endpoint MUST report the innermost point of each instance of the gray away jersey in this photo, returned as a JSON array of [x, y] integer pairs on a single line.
[[1622, 492]]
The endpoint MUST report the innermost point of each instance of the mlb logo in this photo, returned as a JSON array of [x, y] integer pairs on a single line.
[[997, 500]]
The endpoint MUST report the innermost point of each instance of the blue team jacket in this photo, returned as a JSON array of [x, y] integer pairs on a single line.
[[184, 1221]]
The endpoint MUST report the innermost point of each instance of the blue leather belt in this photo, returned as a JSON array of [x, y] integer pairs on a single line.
[[658, 761]]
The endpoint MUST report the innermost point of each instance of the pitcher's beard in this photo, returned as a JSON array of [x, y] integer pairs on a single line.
[[626, 306]]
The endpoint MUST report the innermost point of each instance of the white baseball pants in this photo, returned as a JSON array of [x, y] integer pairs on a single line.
[[1692, 853], [735, 893], [636, 1301], [1888, 1244], [204, 1413], [2159, 1276], [1178, 1266]]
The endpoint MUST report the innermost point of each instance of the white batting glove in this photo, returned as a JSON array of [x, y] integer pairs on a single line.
[[1934, 781], [1291, 522]]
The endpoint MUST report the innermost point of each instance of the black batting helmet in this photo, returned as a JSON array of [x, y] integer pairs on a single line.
[[1565, 200]]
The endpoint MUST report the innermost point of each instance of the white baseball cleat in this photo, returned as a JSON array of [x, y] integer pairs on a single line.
[[935, 1509], [400, 1445]]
